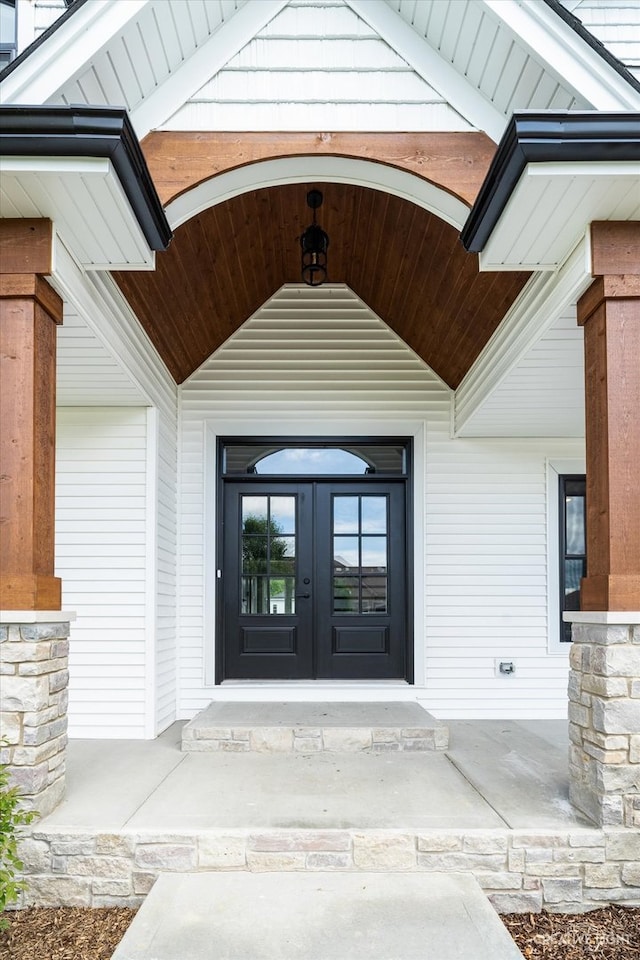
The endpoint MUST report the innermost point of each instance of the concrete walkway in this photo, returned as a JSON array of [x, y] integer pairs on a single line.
[[284, 916], [495, 774]]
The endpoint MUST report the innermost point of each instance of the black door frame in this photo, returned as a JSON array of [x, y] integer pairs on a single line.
[[315, 441]]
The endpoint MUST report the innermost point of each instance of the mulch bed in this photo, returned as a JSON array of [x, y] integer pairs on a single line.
[[64, 933], [611, 933], [77, 933]]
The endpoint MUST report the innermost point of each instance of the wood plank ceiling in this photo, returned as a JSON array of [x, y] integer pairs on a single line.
[[406, 264]]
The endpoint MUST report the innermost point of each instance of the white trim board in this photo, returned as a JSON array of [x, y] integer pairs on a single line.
[[364, 173], [431, 66], [56, 62], [572, 61], [204, 63]]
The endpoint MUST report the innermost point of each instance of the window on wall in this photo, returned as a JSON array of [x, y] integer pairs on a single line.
[[573, 555], [8, 44]]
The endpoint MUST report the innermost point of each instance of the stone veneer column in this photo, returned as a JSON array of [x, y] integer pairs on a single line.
[[604, 717], [34, 649]]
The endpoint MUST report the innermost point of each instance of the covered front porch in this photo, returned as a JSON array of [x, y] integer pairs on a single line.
[[494, 804]]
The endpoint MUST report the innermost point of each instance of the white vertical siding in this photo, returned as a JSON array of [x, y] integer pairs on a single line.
[[316, 361], [101, 531], [475, 41]]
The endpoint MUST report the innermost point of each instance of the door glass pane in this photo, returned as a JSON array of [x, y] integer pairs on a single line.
[[574, 518], [255, 595], [345, 554], [268, 555], [311, 460], [374, 514], [283, 514], [374, 554], [254, 508], [283, 556], [362, 556], [254, 554], [374, 594], [345, 514], [282, 595], [574, 570], [345, 595]]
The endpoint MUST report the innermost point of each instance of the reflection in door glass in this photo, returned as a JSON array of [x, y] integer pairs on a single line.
[[268, 555], [345, 514], [311, 460], [345, 554], [374, 514], [360, 561]]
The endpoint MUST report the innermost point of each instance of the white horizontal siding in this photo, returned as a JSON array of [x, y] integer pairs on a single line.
[[616, 23], [318, 360], [543, 396], [317, 66], [311, 360], [45, 12], [486, 577], [101, 537]]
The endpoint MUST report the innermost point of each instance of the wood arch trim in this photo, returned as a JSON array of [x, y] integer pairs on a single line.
[[454, 162]]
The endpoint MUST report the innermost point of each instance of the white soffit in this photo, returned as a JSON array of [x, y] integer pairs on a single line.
[[88, 375], [551, 208], [543, 34], [545, 299], [84, 198], [543, 395]]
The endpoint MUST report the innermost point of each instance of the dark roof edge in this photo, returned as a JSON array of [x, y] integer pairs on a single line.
[[543, 138], [69, 12], [597, 45], [86, 131]]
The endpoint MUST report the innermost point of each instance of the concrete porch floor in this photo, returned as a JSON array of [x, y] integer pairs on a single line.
[[496, 774]]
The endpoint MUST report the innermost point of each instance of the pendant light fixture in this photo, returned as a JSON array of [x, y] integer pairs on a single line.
[[314, 242]]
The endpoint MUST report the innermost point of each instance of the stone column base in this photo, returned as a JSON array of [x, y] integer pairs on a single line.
[[34, 654], [604, 717]]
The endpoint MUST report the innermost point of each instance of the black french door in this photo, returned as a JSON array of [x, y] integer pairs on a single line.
[[314, 579]]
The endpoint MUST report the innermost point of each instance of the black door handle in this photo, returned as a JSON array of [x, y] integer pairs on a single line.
[[302, 596]]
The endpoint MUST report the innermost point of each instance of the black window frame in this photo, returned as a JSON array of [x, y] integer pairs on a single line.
[[10, 48], [564, 480]]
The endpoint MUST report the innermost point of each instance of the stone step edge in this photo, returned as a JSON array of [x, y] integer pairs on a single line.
[[520, 870], [201, 738]]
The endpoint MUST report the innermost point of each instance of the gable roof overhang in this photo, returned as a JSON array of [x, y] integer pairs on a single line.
[[551, 176], [83, 168], [95, 53]]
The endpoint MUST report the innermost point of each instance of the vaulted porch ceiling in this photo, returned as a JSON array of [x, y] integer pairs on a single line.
[[404, 262]]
